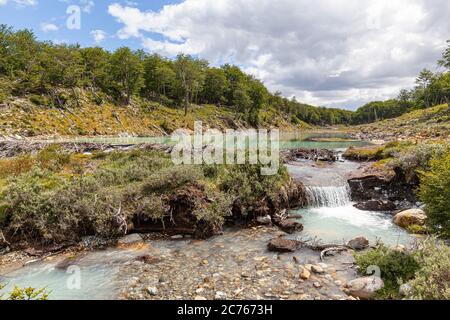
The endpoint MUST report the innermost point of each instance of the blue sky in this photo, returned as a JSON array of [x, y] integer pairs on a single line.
[[335, 53], [94, 16]]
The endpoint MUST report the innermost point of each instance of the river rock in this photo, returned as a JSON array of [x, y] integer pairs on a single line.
[[376, 205], [130, 239], [265, 220], [304, 274], [405, 289], [283, 245], [317, 269], [220, 295], [358, 243], [364, 288], [290, 226], [152, 291], [410, 217]]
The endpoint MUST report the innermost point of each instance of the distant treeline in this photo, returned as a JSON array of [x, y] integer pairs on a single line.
[[42, 69]]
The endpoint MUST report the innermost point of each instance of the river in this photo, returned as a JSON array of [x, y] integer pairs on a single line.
[[330, 218]]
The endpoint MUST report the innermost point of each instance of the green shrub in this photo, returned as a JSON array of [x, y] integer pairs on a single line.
[[435, 193], [432, 280], [396, 267], [52, 158], [216, 210], [27, 294], [249, 187], [172, 178], [40, 100]]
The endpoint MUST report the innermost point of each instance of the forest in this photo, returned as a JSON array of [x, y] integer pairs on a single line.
[[41, 69]]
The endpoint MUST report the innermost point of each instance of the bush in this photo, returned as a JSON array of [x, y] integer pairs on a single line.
[[432, 280], [396, 267], [172, 178], [249, 187], [39, 100], [27, 294], [15, 166], [434, 191], [43, 207]]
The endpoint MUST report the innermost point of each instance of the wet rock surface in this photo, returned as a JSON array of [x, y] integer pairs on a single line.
[[236, 265], [376, 205], [358, 243], [310, 154], [289, 226], [380, 189], [283, 245]]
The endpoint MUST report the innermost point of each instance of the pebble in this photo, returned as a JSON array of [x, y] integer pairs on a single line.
[[304, 274], [220, 295], [152, 291], [317, 285], [317, 269]]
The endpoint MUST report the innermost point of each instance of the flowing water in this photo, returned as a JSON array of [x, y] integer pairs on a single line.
[[331, 217]]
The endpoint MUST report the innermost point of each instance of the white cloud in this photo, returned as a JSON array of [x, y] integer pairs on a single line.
[[22, 3], [48, 27], [87, 5], [332, 52], [98, 35]]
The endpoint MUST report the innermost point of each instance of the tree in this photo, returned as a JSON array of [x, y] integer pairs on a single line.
[[445, 61], [22, 60], [215, 86], [5, 35], [126, 73], [423, 81], [190, 76], [95, 67], [435, 193]]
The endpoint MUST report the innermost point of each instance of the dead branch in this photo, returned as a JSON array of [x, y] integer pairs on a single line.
[[327, 252]]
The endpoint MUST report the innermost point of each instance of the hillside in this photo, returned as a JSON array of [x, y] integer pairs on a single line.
[[428, 123], [22, 118]]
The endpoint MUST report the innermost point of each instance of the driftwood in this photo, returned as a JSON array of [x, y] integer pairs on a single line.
[[3, 239], [325, 252]]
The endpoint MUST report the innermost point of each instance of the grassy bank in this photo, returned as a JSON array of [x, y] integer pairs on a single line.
[[59, 197], [431, 123], [27, 118]]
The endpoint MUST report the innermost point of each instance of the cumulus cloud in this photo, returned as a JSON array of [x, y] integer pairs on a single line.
[[98, 35], [48, 27], [329, 52]]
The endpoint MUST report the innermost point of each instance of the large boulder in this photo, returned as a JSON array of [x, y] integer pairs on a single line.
[[376, 205], [364, 288], [410, 217], [283, 245], [358, 243]]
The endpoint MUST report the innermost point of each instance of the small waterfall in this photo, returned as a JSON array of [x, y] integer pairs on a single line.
[[331, 197]]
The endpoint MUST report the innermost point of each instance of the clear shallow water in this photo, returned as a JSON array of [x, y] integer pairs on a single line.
[[337, 225], [288, 140], [98, 275]]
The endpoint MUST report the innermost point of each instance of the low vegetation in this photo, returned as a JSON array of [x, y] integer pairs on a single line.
[[425, 269], [25, 294], [60, 197]]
